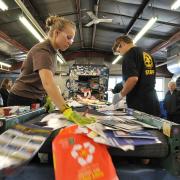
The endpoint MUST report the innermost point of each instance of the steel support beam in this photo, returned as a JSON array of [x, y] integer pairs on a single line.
[[138, 12], [78, 9], [173, 39], [96, 7], [11, 41], [77, 54], [133, 32], [32, 8], [141, 18]]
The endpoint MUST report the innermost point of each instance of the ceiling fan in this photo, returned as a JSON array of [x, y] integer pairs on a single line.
[[95, 19]]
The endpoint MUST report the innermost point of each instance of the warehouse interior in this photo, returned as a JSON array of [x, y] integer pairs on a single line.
[[98, 24]]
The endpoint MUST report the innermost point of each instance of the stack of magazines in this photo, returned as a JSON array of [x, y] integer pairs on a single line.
[[123, 132], [120, 123], [19, 145]]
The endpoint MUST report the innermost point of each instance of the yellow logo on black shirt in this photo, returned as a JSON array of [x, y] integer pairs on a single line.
[[148, 62]]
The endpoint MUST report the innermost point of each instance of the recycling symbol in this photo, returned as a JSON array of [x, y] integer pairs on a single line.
[[147, 60], [83, 153]]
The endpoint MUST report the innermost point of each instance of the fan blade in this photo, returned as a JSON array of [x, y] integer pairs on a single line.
[[105, 20], [91, 15], [89, 24]]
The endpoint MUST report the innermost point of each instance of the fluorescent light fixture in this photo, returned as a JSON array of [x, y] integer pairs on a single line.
[[20, 55], [117, 59], [5, 64], [175, 5], [145, 29], [26, 23], [60, 58], [3, 6]]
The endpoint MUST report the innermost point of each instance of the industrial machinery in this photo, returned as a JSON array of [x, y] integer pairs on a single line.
[[167, 153]]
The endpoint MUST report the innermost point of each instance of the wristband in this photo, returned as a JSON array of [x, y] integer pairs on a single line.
[[65, 107]]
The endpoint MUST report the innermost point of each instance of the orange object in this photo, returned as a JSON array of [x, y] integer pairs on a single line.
[[77, 157]]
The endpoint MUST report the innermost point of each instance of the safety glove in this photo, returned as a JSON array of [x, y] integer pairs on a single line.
[[49, 105], [116, 98], [77, 118]]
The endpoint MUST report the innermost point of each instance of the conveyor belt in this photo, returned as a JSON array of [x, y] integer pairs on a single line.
[[150, 151], [165, 151]]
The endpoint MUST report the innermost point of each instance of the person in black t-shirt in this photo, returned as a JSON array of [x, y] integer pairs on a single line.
[[138, 71]]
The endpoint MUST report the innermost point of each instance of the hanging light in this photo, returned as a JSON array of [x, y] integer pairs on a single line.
[[147, 26], [5, 64], [60, 58], [117, 59], [27, 24], [3, 6], [175, 5]]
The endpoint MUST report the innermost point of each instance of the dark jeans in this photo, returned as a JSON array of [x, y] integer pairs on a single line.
[[14, 100], [147, 103], [174, 118]]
